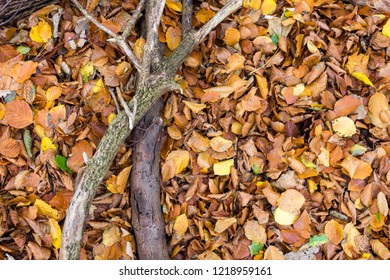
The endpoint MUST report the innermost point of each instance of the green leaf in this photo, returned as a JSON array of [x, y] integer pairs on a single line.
[[61, 163], [317, 240], [256, 169], [275, 39], [10, 96], [255, 248], [27, 140], [23, 49], [307, 162], [358, 150]]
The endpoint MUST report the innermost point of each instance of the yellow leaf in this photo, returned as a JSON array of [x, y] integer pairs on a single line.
[[222, 225], [223, 168], [312, 186], [344, 127], [139, 48], [117, 184], [111, 236], [45, 209], [41, 32], [252, 4], [235, 62], [236, 128], [268, 7], [52, 94], [111, 117], [40, 131], [194, 107], [363, 78], [86, 71], [47, 144], [204, 15], [386, 29], [174, 5], [181, 225], [285, 218], [99, 86], [175, 163], [55, 233]]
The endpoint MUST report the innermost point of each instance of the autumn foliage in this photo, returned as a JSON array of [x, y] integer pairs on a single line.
[[277, 146]]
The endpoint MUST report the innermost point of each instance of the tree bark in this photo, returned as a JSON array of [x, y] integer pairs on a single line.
[[11, 10], [147, 220]]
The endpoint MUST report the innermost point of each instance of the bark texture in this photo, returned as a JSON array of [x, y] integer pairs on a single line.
[[147, 220], [11, 10]]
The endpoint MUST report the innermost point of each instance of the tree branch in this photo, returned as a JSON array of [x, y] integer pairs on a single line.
[[136, 15], [186, 17], [118, 39], [194, 38]]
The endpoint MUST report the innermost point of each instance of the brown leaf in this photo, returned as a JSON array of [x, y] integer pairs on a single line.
[[76, 160], [23, 70], [7, 52], [39, 253], [356, 168], [383, 206], [291, 200], [18, 114], [9, 148], [346, 105], [223, 224], [255, 232], [273, 253]]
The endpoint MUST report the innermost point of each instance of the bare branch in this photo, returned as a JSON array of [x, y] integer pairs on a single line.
[[117, 39], [186, 17], [194, 38], [134, 18], [154, 10]]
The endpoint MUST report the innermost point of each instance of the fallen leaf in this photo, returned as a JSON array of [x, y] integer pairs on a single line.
[[18, 114], [204, 15], [363, 78], [268, 7], [220, 144], [346, 105], [285, 218], [380, 249], [76, 160], [39, 252], [9, 148], [174, 5], [173, 36], [291, 200], [232, 36], [181, 225], [383, 205], [223, 167], [55, 233], [194, 107], [273, 253], [111, 235], [175, 162], [45, 209], [344, 127], [117, 184], [223, 224], [334, 231], [41, 32], [252, 4], [356, 168], [255, 232], [47, 144], [235, 62], [386, 29]]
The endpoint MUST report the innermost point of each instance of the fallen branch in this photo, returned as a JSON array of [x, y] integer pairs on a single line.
[[155, 79]]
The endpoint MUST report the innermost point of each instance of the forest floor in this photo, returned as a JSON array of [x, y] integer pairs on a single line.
[[277, 147]]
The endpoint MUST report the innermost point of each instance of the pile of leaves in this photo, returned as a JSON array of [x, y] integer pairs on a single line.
[[277, 147]]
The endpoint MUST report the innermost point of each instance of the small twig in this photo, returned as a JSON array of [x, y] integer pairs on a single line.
[[265, 64], [56, 22], [186, 17], [117, 39], [118, 108], [134, 18], [130, 114]]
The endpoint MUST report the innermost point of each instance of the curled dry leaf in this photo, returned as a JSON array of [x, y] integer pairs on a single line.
[[117, 184], [291, 200], [223, 224], [334, 231], [18, 114], [194, 107], [380, 249]]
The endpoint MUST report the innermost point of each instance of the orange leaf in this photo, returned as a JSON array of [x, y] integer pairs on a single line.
[[356, 168], [204, 15], [7, 52], [181, 225], [346, 105], [379, 249], [173, 36], [77, 160], [255, 232], [222, 225], [334, 231], [232, 36], [18, 114], [9, 148], [23, 70], [273, 253]]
